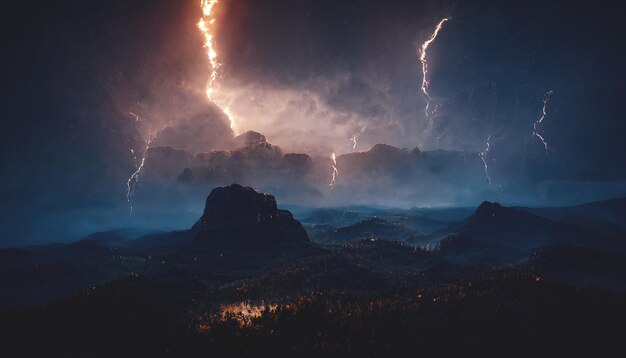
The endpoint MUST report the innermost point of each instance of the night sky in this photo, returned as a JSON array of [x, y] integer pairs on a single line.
[[73, 70]]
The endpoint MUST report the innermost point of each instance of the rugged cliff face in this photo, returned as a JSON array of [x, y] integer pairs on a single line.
[[236, 213]]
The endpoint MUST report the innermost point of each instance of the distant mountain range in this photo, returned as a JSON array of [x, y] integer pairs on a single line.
[[247, 268], [383, 174], [242, 233]]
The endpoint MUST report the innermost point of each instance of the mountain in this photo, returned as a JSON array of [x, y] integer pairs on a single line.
[[240, 233], [242, 215], [606, 216], [381, 158], [506, 234], [372, 227], [378, 176], [245, 278], [249, 138]]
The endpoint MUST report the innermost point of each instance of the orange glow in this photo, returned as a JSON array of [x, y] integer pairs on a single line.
[[244, 313], [206, 26]]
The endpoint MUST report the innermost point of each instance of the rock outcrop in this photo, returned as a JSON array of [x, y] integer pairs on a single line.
[[249, 138], [237, 214]]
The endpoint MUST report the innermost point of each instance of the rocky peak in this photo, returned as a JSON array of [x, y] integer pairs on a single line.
[[386, 150], [249, 138], [487, 208], [238, 213], [236, 205]]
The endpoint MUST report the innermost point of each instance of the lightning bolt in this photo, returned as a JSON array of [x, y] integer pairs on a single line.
[[133, 180], [137, 118], [133, 152], [205, 25], [423, 56], [355, 137], [335, 172], [544, 113], [483, 157], [431, 122]]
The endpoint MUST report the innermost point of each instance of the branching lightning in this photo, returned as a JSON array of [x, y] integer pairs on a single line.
[[483, 157], [335, 172], [355, 138], [544, 113], [137, 118], [133, 180], [423, 56]]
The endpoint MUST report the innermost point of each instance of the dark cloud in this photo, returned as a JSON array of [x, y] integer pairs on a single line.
[[490, 67], [308, 75]]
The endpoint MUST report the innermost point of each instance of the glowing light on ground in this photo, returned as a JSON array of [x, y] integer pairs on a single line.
[[245, 313], [544, 114]]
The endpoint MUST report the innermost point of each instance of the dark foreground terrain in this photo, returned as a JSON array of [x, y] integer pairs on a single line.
[[250, 280]]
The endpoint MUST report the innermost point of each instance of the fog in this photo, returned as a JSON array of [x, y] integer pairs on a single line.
[[86, 85]]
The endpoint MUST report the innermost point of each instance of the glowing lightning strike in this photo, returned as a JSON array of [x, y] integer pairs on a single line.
[[137, 118], [133, 180], [544, 113], [483, 157], [204, 25], [355, 138], [424, 60], [335, 172]]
